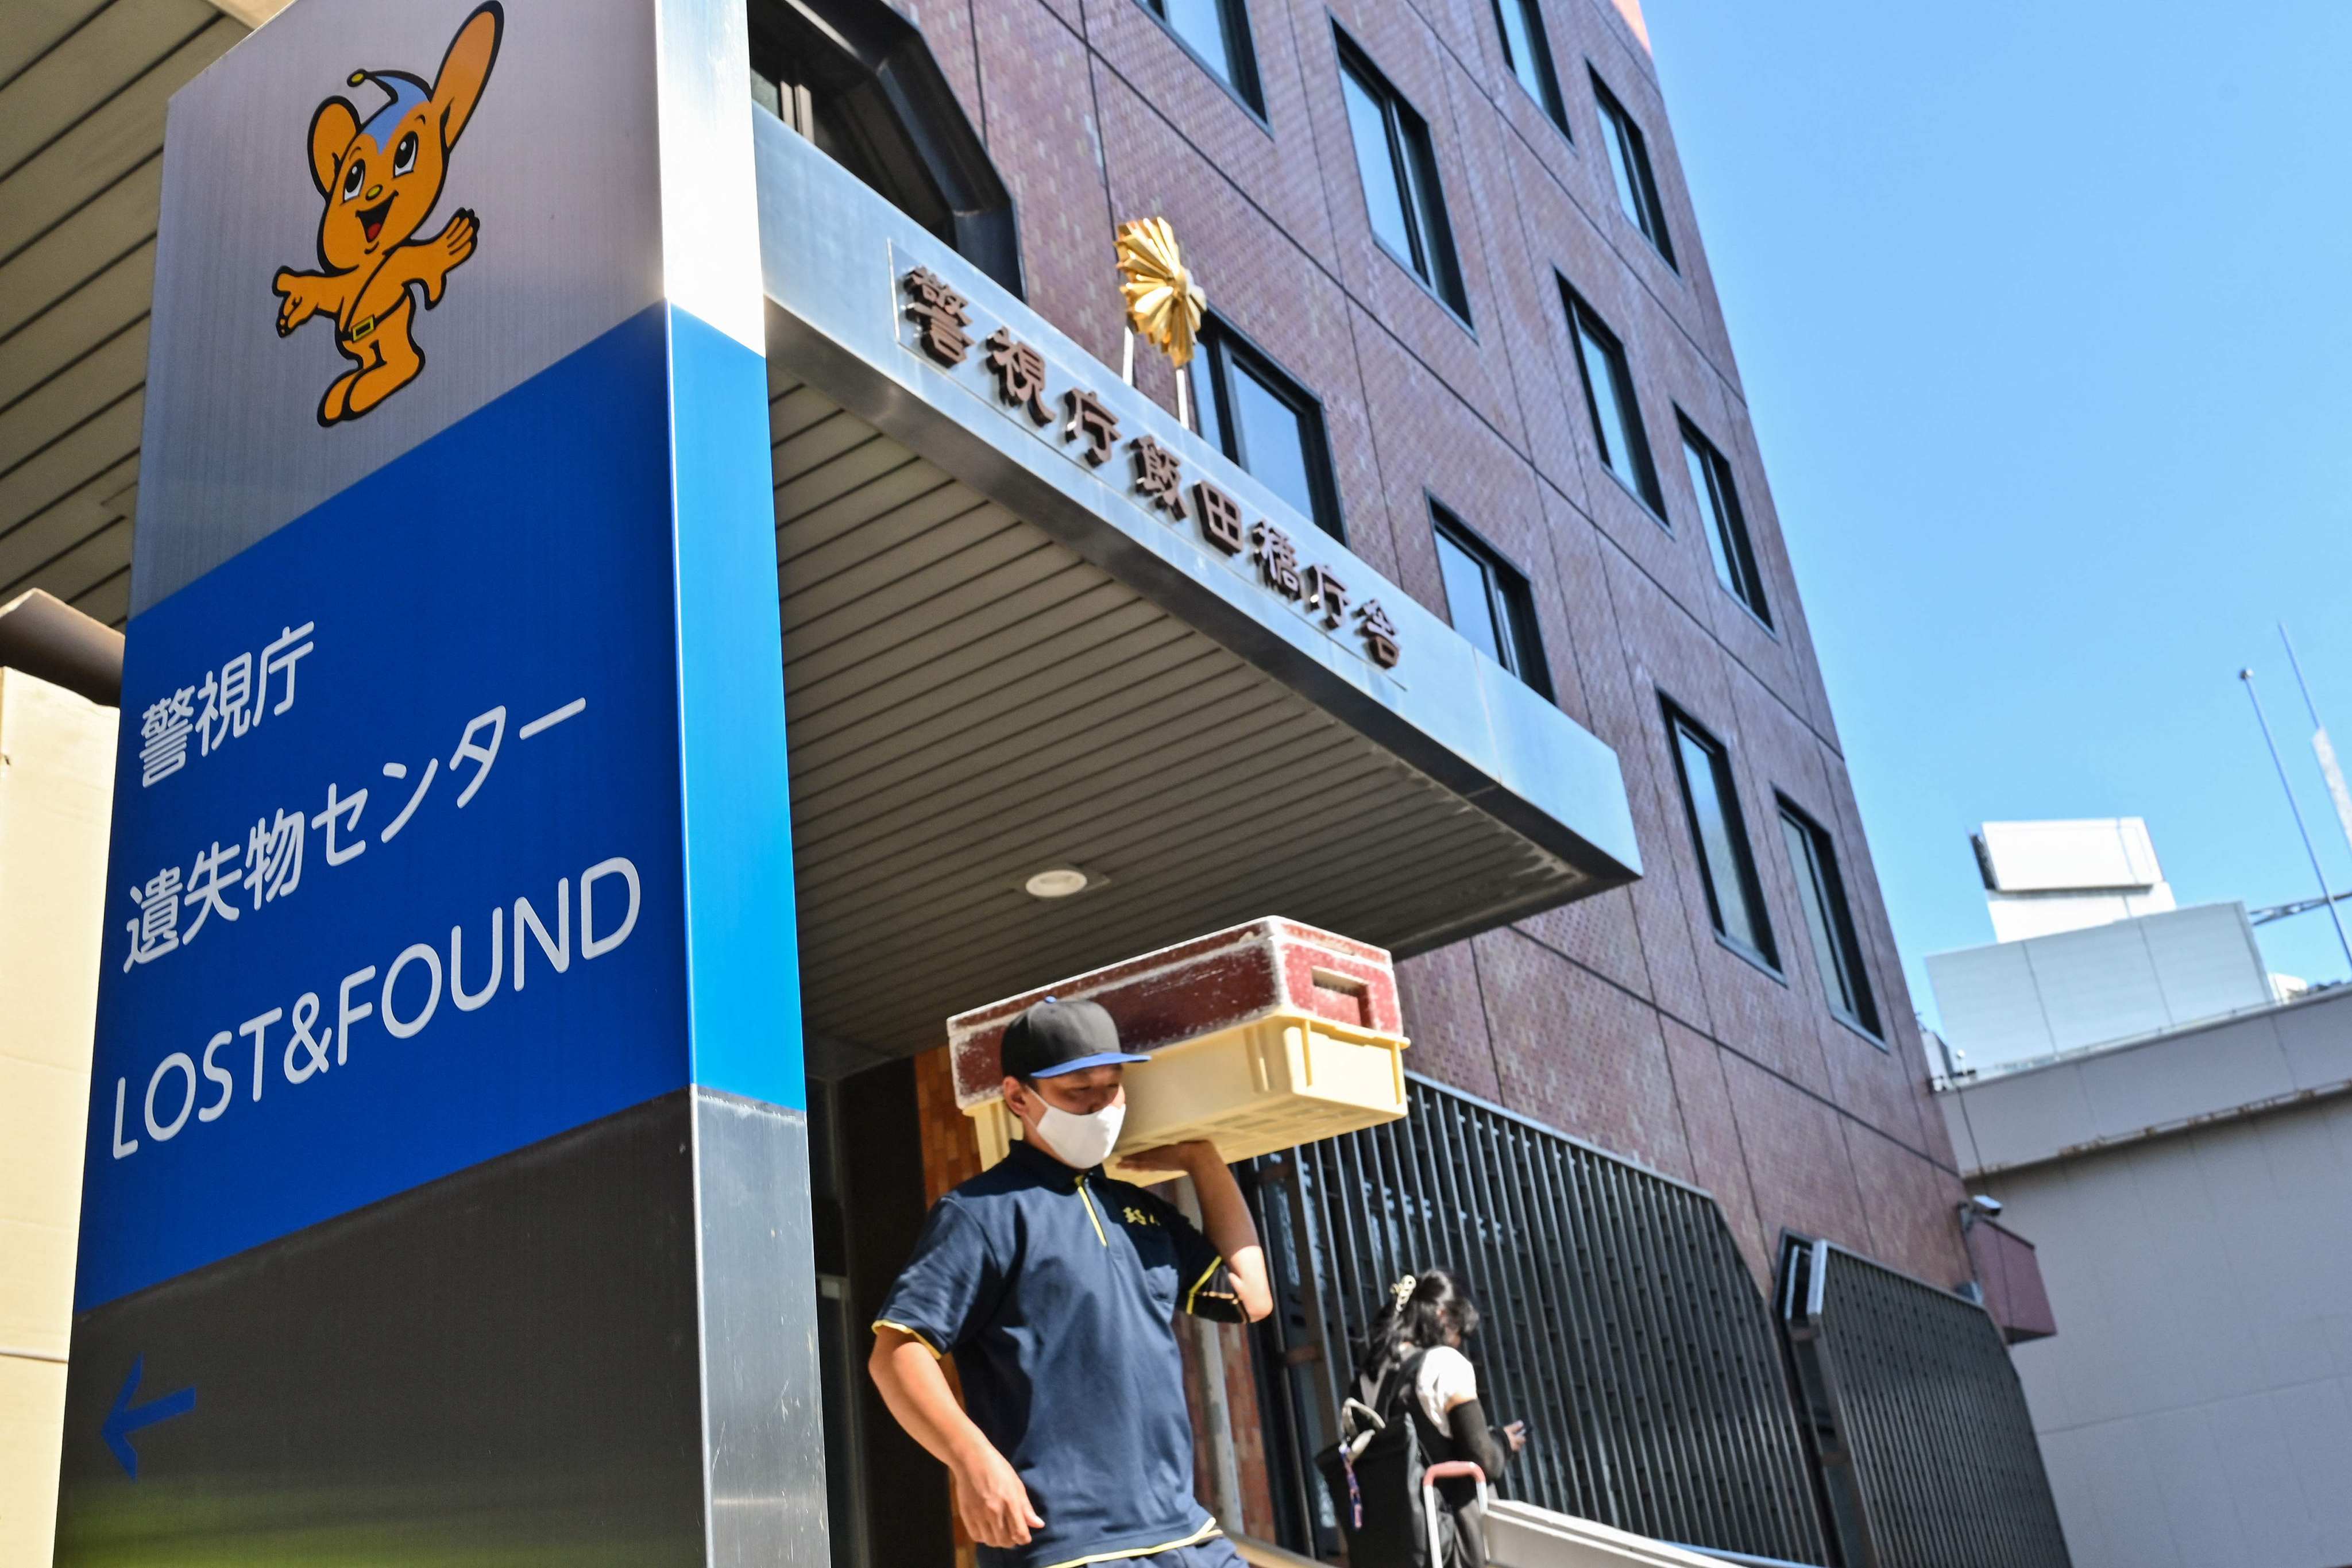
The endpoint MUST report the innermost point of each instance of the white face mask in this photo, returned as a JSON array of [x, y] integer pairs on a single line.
[[1084, 1141]]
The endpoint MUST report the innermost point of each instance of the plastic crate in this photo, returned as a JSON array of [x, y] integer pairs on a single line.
[[1250, 1042], [1278, 1081]]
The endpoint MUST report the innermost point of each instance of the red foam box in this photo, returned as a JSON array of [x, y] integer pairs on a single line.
[[1195, 988]]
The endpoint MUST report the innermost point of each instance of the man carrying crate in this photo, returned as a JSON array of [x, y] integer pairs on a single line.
[[1055, 1289]]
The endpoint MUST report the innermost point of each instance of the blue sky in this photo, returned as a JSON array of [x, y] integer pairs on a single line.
[[2044, 315]]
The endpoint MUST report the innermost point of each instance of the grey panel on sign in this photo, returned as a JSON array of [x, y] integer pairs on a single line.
[[500, 1366], [559, 162], [763, 1418]]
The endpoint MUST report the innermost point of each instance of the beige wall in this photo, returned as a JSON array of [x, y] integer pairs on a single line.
[[2195, 1408], [56, 768]]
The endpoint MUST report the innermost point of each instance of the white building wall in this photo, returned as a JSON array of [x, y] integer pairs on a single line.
[[2042, 878], [2057, 856], [2190, 1200], [2018, 916], [57, 787], [2195, 1409], [2017, 1001]]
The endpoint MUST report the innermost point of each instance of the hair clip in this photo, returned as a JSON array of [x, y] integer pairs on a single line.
[[1402, 1290]]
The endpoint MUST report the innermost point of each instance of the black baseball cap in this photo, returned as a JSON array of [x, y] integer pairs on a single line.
[[1055, 1036]]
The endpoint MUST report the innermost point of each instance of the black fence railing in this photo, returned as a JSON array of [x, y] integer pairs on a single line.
[[1927, 1450], [1620, 1324]]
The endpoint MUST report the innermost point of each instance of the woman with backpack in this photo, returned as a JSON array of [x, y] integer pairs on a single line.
[[1416, 1405]]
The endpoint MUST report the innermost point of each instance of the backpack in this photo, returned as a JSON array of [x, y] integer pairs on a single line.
[[1378, 1477]]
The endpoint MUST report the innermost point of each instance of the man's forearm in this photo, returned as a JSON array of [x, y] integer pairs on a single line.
[[1225, 1213], [918, 1395], [1226, 1221], [988, 1495]]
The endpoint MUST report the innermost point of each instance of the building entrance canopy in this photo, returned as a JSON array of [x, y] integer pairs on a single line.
[[1031, 622]]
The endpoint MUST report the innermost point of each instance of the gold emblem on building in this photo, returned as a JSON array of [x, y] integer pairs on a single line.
[[1164, 301]]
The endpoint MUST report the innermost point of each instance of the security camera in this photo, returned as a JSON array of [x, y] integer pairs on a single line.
[[1986, 1205]]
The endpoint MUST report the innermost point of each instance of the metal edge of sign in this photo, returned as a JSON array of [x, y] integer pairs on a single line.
[[743, 942], [765, 1499]]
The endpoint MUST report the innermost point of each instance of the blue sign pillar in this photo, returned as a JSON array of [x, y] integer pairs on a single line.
[[445, 1188]]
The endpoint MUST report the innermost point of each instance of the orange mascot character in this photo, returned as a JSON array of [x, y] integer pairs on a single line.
[[381, 180]]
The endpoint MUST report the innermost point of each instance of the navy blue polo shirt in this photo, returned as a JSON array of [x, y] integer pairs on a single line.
[[1057, 1292]]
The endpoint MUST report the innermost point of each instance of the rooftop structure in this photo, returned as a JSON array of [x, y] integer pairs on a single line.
[[2089, 947], [2045, 877], [2013, 1002]]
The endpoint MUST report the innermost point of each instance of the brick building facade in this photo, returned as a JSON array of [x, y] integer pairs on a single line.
[[1621, 1019], [1514, 398]]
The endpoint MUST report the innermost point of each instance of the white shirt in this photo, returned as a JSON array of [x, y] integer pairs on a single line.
[[1446, 1379]]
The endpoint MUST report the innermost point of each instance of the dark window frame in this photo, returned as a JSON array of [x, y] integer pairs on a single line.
[[1548, 98], [1730, 546], [1434, 263], [1628, 150], [1510, 598], [1243, 85], [1221, 344], [1584, 322], [1764, 953], [896, 104], [1836, 938]]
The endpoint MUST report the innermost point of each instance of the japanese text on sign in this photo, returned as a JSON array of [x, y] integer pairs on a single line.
[[268, 867], [416, 975], [221, 708], [942, 320]]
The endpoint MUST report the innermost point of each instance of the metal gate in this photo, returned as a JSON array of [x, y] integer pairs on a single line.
[[1620, 1323], [1927, 1451]]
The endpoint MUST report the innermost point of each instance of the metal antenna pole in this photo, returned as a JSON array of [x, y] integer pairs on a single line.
[[2331, 772], [2304, 686], [2311, 850]]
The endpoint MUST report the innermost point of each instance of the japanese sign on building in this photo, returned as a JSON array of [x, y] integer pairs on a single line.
[[396, 835], [422, 602], [1019, 379]]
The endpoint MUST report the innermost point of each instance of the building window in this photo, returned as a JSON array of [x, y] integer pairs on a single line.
[[1609, 397], [1828, 919], [1265, 422], [1216, 33], [858, 80], [1629, 161], [1488, 601], [1399, 167], [1735, 901], [1726, 526], [1529, 53]]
